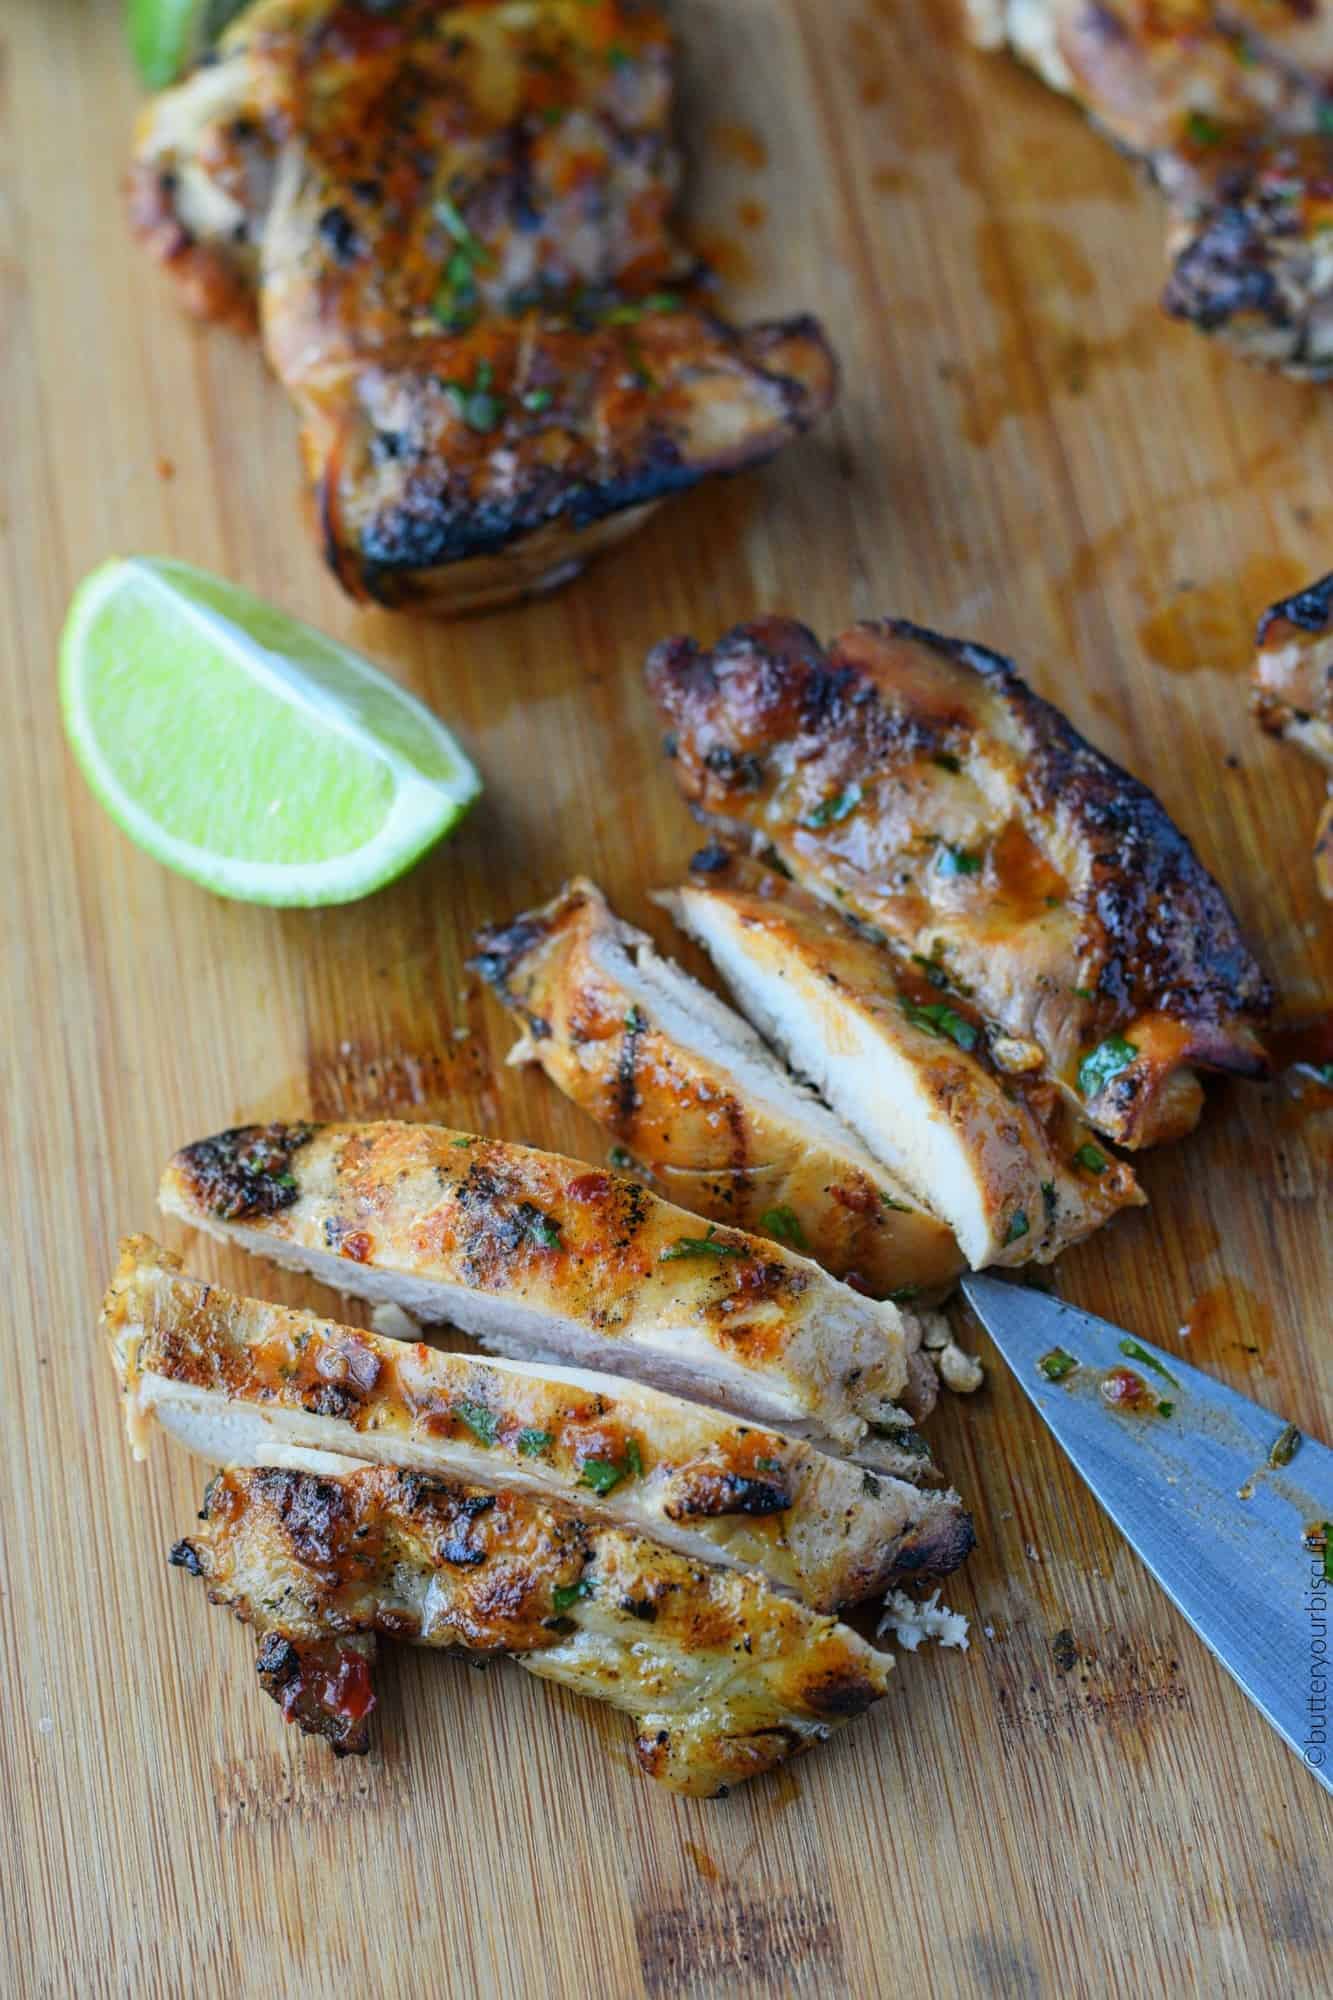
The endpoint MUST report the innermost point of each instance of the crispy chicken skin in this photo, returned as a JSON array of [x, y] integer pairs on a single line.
[[543, 1257], [242, 1382], [723, 1677], [694, 1093], [451, 224], [999, 1154], [917, 783], [1228, 106], [1293, 692]]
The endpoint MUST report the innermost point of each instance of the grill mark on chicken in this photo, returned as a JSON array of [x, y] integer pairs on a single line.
[[716, 1120], [918, 784], [238, 1380], [1292, 692], [722, 1677], [458, 250]]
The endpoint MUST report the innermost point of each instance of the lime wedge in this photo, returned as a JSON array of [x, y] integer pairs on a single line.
[[245, 750], [166, 36]]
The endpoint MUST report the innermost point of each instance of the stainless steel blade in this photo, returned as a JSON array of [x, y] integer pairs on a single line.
[[1222, 1530]]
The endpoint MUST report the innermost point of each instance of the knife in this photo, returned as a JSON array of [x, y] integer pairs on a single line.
[[1238, 1543]]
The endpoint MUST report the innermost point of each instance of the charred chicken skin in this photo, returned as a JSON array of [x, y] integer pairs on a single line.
[[723, 1677], [241, 1382], [451, 224], [1229, 108], [541, 1257], [699, 1100], [1293, 692], [919, 786]]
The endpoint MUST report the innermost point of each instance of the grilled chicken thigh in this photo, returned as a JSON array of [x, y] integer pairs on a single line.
[[243, 1383], [920, 786], [692, 1090], [909, 1065], [723, 1676], [1229, 107], [452, 226], [543, 1258], [1293, 692]]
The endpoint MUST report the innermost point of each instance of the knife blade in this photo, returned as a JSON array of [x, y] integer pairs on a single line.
[[1233, 1540]]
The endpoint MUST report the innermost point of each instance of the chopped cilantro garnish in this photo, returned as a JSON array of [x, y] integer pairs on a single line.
[[1135, 1352], [1165, 1409], [956, 861], [604, 1473], [1056, 1363], [698, 1246], [538, 400], [1107, 1060], [1091, 1157], [635, 1022], [476, 402], [483, 1423], [1204, 131], [620, 1157], [833, 811], [902, 1207], [567, 1594], [942, 1021], [904, 1295], [1018, 1227], [785, 1224], [540, 1229], [532, 1443], [1285, 1446], [768, 1465]]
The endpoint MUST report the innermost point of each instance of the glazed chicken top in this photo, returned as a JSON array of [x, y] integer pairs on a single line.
[[919, 785], [451, 224]]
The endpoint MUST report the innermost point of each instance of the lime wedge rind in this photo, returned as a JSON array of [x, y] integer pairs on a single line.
[[421, 810]]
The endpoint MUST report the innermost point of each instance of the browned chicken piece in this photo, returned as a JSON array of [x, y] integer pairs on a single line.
[[909, 1064], [452, 226], [244, 1383], [543, 1258], [1293, 692], [1229, 106], [917, 784], [724, 1678], [695, 1094]]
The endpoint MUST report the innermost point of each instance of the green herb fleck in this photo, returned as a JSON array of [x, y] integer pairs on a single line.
[[946, 1023], [785, 1224], [635, 1022], [620, 1157], [1019, 1227], [902, 1207], [1092, 1158], [543, 1230], [1107, 1060], [476, 403], [768, 1465], [698, 1246], [483, 1423], [1285, 1446], [1204, 131], [946, 760], [833, 811], [532, 1443], [1056, 1363], [634, 1459], [538, 400], [1165, 1409], [566, 1594], [604, 1473], [463, 1142], [956, 861], [904, 1295], [1135, 1352]]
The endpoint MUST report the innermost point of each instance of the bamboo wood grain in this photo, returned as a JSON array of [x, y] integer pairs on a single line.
[[1024, 453]]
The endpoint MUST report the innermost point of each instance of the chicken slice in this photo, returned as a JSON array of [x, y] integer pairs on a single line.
[[695, 1094], [1293, 692], [723, 1676], [544, 1258], [244, 1383], [910, 1066], [452, 227], [918, 783]]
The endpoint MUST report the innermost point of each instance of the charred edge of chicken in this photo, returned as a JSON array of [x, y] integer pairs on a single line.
[[246, 1171]]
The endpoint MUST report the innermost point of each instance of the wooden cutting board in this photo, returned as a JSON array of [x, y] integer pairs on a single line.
[[1024, 453]]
